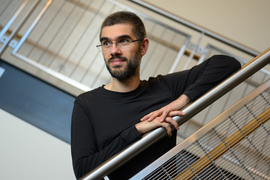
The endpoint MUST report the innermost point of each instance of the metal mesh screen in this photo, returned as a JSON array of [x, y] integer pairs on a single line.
[[237, 148]]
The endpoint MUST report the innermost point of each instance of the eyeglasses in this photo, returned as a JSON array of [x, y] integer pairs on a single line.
[[106, 45]]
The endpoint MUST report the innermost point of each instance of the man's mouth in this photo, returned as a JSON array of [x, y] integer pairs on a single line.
[[115, 61]]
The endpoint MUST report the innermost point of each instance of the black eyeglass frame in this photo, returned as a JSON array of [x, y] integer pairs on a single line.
[[116, 42]]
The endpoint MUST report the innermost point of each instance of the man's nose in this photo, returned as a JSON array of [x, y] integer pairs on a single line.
[[115, 49]]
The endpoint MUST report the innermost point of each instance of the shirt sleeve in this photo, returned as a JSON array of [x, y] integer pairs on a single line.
[[203, 77], [86, 154]]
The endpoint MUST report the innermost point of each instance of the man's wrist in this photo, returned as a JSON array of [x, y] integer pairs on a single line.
[[139, 127], [184, 99]]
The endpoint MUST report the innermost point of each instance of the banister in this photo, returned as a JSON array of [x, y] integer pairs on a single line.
[[19, 26], [115, 162]]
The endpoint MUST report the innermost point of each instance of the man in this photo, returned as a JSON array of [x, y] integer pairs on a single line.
[[113, 116]]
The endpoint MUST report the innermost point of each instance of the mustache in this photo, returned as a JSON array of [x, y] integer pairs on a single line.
[[118, 57]]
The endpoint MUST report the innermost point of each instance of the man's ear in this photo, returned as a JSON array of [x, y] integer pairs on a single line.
[[144, 46]]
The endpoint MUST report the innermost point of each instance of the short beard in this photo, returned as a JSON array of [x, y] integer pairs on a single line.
[[130, 69]]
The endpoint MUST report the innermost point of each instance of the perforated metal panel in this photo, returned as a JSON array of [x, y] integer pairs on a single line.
[[232, 147]]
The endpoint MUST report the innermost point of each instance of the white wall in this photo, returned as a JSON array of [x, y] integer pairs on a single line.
[[244, 21], [29, 153]]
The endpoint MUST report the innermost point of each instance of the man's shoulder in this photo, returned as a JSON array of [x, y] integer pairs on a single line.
[[154, 79], [91, 94], [158, 83]]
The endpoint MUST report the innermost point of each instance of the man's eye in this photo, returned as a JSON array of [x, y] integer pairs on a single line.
[[106, 43], [123, 41]]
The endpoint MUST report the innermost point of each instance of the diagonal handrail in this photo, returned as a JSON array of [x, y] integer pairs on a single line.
[[19, 26], [118, 160]]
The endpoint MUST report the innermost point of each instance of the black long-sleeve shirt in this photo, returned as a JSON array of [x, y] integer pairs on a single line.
[[103, 121]]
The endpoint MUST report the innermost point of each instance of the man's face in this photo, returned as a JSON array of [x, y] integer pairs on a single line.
[[122, 63]]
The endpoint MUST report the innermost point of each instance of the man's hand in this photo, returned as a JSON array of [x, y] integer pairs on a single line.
[[168, 110], [146, 126]]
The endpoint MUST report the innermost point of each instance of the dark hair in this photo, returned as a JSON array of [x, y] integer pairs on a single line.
[[126, 17]]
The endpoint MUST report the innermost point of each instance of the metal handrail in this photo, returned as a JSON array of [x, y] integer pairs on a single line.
[[19, 26], [112, 164], [12, 19], [200, 136]]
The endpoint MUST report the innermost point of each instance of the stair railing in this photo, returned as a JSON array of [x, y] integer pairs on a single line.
[[118, 160]]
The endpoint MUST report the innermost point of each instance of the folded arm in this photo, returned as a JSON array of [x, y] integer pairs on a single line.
[[169, 110], [198, 80]]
